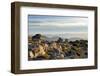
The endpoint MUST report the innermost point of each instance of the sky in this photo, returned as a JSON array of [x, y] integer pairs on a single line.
[[65, 26]]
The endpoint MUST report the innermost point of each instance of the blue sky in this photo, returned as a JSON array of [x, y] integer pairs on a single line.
[[57, 25]]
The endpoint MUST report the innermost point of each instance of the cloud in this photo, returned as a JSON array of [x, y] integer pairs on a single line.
[[57, 21], [59, 24]]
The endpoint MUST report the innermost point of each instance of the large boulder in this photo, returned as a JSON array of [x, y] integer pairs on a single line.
[[37, 36]]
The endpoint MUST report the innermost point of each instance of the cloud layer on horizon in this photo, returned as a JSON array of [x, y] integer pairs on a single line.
[[57, 24]]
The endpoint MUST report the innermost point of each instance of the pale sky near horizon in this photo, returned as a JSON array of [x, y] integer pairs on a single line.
[[57, 25]]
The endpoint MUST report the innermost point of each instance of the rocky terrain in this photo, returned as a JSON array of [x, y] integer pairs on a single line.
[[41, 47]]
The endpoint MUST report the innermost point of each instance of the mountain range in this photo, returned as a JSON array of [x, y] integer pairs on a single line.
[[55, 38]]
